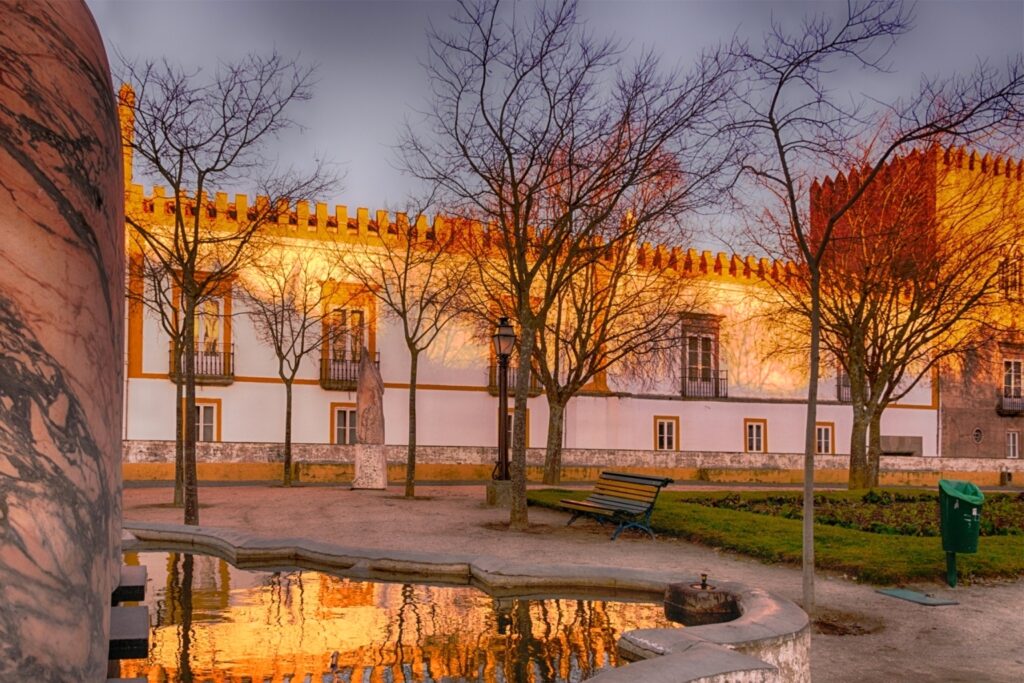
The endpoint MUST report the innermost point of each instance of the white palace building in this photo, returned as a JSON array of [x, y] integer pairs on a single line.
[[739, 418]]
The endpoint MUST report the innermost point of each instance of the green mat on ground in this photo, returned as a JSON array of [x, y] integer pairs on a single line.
[[914, 596]]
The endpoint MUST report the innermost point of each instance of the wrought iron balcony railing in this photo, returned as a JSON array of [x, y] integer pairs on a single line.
[[1012, 404], [492, 381], [214, 363], [341, 374], [706, 385]]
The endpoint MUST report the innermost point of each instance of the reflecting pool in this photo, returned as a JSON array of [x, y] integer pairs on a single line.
[[213, 622]]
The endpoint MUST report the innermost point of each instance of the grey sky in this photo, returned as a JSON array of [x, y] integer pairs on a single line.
[[369, 56]]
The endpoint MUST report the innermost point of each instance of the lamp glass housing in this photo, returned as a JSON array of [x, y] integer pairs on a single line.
[[504, 338]]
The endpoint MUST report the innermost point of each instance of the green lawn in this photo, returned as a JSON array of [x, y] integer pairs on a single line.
[[870, 557]]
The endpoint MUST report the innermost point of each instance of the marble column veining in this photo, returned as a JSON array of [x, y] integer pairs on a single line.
[[61, 318]]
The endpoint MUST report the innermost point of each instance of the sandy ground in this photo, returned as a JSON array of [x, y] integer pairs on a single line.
[[865, 636]]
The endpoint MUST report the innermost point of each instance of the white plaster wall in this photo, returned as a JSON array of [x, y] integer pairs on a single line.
[[456, 410], [150, 409]]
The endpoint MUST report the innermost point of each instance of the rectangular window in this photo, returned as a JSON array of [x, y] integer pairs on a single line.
[[1012, 372], [699, 357], [509, 423], [344, 432], [1009, 275], [700, 374], [347, 334], [666, 431], [1013, 444], [824, 438], [207, 326], [755, 436], [206, 421]]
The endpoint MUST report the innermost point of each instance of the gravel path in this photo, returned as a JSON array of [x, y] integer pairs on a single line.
[[862, 635]]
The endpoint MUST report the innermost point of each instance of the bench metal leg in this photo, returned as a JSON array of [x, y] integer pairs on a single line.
[[632, 525], [574, 517]]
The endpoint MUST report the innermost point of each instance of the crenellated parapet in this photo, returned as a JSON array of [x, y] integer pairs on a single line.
[[693, 263], [317, 221], [919, 166], [309, 220], [995, 166]]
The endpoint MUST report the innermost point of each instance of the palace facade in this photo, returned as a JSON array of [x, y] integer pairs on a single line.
[[728, 407]]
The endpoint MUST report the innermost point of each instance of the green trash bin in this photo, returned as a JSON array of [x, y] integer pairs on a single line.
[[960, 515]]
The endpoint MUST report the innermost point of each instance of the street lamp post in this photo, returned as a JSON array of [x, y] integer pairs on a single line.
[[504, 341]]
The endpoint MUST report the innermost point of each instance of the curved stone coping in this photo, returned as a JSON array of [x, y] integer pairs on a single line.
[[772, 631]]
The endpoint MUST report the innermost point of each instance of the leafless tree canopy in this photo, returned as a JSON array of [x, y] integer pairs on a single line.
[[193, 134], [536, 132]]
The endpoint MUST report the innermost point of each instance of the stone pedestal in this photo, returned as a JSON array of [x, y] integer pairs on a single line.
[[499, 494], [371, 467]]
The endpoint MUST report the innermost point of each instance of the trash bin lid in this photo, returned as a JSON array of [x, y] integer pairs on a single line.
[[964, 490]]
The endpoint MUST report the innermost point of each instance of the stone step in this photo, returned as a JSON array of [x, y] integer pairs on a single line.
[[129, 633], [131, 587]]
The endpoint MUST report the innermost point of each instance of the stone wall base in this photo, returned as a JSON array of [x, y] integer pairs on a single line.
[[320, 463]]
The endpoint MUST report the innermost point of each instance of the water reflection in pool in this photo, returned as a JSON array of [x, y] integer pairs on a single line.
[[213, 622]]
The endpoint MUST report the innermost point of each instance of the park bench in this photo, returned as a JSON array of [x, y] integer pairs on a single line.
[[626, 499]]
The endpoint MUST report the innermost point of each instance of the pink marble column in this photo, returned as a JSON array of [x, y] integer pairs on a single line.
[[61, 317]]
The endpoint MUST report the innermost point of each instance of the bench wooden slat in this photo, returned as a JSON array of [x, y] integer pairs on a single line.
[[609, 506], [626, 486], [626, 493], [636, 478], [631, 495], [619, 503]]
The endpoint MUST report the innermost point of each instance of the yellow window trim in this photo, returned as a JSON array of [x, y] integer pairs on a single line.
[[674, 419], [764, 434], [832, 437], [511, 414], [217, 404], [333, 438]]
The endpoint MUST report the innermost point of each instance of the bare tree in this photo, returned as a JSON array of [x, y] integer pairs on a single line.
[[622, 312], [286, 291], [913, 278], [534, 133], [196, 135], [799, 128], [417, 274], [149, 287]]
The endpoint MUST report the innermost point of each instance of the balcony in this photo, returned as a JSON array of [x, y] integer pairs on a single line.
[[1010, 405], [492, 381], [341, 374], [707, 385], [214, 365]]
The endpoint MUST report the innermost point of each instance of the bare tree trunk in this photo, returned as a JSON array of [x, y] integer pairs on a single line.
[[179, 431], [189, 446], [812, 417], [518, 519], [858, 450], [553, 453], [874, 449], [410, 460], [287, 433]]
